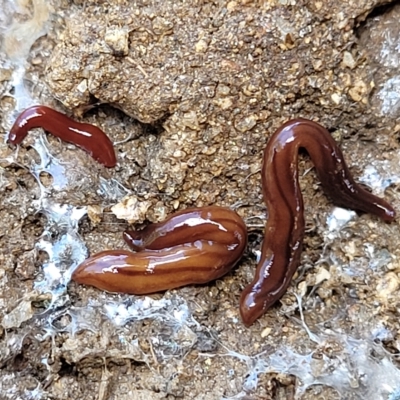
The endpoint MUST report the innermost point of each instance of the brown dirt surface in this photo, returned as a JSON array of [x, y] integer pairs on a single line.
[[189, 93]]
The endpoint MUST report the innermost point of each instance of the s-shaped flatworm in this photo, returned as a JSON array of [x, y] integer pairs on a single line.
[[284, 230]]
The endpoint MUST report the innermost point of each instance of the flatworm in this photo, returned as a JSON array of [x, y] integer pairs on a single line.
[[284, 230], [86, 136], [192, 246]]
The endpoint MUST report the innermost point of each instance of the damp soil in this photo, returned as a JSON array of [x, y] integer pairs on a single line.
[[189, 92]]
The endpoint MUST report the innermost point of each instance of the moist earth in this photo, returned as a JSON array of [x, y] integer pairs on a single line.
[[189, 92]]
